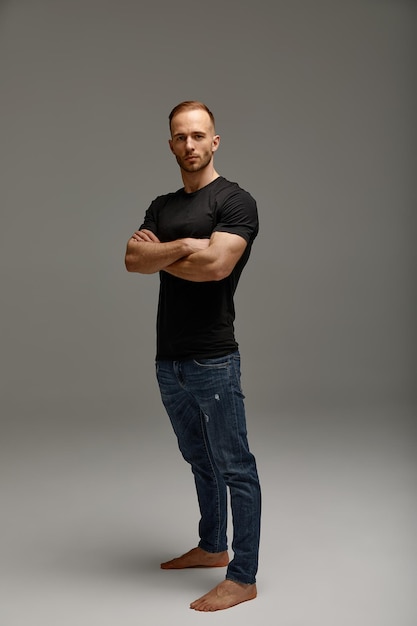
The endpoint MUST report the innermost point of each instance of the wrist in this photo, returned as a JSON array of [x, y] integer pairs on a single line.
[[186, 247]]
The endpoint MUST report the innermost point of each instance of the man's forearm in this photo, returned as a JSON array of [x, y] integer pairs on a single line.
[[148, 257], [197, 267], [213, 263]]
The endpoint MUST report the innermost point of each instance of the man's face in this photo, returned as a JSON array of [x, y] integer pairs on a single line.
[[193, 140]]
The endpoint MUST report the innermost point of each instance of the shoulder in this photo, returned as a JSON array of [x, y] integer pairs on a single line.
[[236, 211], [232, 195], [167, 197], [227, 189], [159, 202]]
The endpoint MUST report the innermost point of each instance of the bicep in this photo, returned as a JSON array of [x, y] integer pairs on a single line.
[[227, 248]]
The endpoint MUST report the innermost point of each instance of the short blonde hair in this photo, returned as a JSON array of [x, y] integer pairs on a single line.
[[190, 105]]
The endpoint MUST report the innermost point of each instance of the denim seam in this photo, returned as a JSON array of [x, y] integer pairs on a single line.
[[215, 477]]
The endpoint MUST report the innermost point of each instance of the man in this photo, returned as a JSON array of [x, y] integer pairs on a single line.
[[199, 239]]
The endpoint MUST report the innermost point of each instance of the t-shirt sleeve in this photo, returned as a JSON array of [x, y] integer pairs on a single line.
[[149, 221], [238, 214]]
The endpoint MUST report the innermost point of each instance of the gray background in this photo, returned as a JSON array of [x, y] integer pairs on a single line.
[[315, 104]]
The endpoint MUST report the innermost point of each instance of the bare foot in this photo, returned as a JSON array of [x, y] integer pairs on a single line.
[[225, 595], [197, 558]]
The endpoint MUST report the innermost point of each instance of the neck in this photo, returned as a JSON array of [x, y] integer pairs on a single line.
[[193, 181]]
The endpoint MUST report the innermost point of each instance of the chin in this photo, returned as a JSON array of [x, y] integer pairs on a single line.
[[191, 168]]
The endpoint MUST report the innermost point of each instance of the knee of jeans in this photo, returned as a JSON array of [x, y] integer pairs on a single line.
[[240, 471]]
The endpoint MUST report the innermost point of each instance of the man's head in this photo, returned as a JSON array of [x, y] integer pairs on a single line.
[[190, 105], [193, 139]]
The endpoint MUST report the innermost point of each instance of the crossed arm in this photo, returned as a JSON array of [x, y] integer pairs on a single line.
[[197, 260]]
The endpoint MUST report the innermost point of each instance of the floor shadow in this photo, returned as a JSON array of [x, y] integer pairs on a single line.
[[91, 555], [119, 562]]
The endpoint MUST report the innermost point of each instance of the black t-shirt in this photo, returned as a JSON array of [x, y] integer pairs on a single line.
[[196, 319]]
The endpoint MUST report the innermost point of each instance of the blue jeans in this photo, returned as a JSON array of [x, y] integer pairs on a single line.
[[204, 401]]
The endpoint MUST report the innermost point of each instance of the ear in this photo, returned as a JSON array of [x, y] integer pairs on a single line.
[[170, 145], [215, 143]]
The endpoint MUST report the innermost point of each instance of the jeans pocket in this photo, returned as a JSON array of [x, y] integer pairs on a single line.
[[220, 363]]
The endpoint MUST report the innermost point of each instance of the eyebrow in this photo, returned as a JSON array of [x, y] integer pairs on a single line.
[[194, 132]]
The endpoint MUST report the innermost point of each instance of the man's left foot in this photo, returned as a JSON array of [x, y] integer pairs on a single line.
[[225, 595], [197, 558]]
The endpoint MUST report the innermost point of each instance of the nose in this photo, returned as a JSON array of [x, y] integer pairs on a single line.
[[189, 144]]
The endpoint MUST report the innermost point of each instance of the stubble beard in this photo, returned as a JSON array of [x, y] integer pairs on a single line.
[[200, 164]]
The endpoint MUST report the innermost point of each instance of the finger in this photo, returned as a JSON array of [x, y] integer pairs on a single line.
[[139, 235], [150, 235]]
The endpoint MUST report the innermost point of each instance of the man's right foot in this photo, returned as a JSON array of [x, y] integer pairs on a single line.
[[198, 558]]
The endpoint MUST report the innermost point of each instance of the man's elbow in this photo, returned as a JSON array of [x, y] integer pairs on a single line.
[[129, 263], [222, 266], [132, 265], [219, 272]]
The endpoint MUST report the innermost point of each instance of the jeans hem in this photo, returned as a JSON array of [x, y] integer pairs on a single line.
[[240, 582], [210, 550]]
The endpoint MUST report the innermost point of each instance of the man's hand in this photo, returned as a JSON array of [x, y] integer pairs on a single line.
[[193, 244], [145, 235], [196, 245]]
